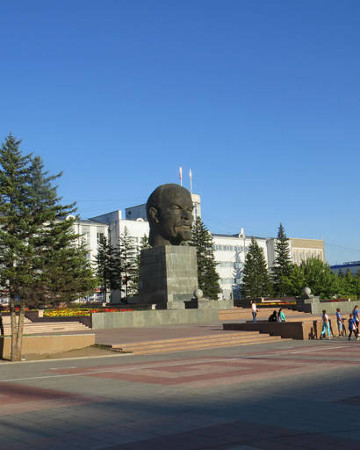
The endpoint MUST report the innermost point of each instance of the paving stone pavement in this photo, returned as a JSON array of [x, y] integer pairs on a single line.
[[283, 395]]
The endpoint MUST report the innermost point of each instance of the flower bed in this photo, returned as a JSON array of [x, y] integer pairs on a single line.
[[267, 304], [77, 312], [335, 300]]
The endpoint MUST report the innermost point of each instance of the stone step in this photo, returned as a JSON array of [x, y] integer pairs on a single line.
[[196, 343], [188, 340], [48, 327], [7, 320], [201, 346]]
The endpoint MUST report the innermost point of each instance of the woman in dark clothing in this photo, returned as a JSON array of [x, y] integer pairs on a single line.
[[273, 317]]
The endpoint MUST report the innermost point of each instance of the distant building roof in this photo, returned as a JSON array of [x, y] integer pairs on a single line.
[[94, 222], [236, 236], [345, 265]]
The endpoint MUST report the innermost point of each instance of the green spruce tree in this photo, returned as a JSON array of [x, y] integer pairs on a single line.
[[36, 243], [108, 267], [128, 253], [208, 278], [144, 244], [256, 280], [282, 267], [63, 267]]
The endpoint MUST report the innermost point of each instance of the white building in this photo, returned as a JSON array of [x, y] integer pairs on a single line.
[[137, 228], [90, 233], [230, 250], [230, 253]]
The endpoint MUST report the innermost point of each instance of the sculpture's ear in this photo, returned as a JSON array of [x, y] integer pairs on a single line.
[[154, 214]]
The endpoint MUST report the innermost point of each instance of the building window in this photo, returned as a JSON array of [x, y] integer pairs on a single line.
[[86, 237]]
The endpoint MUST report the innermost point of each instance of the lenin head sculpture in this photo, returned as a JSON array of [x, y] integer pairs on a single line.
[[169, 212]]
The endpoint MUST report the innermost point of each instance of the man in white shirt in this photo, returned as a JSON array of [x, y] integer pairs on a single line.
[[254, 311]]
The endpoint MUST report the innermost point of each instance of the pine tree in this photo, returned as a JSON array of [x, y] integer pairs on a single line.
[[36, 243], [208, 278], [256, 281], [128, 255], [282, 267], [14, 176], [108, 267], [144, 244], [63, 267]]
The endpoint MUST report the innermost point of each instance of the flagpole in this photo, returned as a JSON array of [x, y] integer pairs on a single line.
[[190, 176], [180, 175]]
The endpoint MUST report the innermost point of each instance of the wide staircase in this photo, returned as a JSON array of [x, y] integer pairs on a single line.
[[45, 327], [224, 339]]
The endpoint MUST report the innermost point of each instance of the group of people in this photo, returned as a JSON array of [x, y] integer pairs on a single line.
[[275, 316], [353, 324]]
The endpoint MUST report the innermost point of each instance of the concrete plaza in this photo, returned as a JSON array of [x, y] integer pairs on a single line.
[[284, 395]]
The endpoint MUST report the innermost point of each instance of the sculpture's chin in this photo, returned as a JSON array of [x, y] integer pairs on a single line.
[[184, 235]]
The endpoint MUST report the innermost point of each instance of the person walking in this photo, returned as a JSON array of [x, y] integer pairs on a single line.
[[356, 316], [339, 322], [254, 311], [325, 325], [352, 327], [1, 322]]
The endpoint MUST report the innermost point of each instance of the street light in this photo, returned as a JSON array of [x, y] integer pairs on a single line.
[[242, 235]]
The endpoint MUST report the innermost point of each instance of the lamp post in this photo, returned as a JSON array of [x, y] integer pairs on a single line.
[[242, 235]]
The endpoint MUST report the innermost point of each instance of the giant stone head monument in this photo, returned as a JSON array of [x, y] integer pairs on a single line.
[[169, 212], [168, 270]]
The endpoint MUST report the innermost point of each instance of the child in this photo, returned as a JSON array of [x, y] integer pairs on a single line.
[[344, 327], [339, 321], [352, 327], [326, 325]]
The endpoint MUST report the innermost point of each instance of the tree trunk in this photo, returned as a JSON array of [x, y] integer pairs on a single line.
[[17, 331], [20, 330], [13, 329]]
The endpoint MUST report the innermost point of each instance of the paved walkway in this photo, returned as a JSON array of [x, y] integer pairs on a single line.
[[286, 395]]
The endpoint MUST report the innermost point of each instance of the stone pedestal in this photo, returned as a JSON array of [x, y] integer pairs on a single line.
[[309, 305], [168, 276]]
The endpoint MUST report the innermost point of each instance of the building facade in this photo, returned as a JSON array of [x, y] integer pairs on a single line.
[[229, 250]]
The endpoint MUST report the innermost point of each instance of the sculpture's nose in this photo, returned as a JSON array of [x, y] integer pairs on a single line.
[[187, 215]]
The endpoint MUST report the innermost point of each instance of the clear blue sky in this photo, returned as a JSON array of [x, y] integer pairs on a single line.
[[260, 98]]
